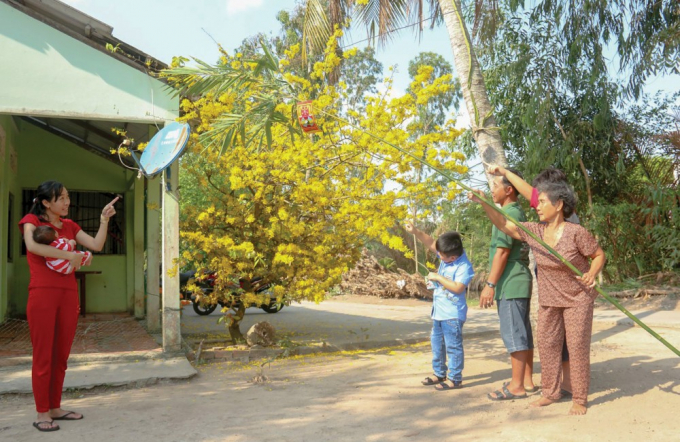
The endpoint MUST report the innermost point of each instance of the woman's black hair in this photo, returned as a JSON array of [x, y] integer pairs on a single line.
[[560, 191], [50, 191]]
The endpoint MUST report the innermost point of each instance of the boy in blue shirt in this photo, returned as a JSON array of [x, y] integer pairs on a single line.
[[449, 307]]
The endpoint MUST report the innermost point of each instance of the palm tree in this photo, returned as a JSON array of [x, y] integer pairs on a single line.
[[382, 17]]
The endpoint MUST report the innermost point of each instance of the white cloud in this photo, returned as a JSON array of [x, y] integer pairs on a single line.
[[236, 6]]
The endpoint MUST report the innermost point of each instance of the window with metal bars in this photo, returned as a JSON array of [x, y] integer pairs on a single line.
[[85, 209]]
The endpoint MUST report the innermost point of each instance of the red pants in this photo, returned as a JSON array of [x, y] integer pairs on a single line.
[[52, 319]]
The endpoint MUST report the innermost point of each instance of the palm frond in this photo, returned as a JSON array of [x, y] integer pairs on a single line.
[[204, 78], [265, 90], [316, 28], [384, 16]]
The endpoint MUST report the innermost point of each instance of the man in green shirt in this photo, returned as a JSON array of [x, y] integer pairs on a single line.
[[509, 283]]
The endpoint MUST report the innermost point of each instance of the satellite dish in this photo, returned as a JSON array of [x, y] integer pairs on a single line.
[[164, 148]]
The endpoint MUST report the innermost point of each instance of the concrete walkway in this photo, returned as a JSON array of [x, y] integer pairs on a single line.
[[98, 372]]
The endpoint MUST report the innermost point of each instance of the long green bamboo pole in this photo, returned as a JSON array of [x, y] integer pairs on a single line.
[[446, 175]]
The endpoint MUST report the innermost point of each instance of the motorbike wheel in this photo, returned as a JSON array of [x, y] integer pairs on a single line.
[[202, 309], [272, 308]]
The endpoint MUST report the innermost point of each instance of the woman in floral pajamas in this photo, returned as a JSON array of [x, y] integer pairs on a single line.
[[566, 301]]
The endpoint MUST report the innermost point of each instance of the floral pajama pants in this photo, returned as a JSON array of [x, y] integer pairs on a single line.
[[576, 323]]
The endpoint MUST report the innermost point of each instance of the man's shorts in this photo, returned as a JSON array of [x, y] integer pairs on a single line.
[[515, 324]]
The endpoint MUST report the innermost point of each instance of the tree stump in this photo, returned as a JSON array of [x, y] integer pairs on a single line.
[[262, 333]]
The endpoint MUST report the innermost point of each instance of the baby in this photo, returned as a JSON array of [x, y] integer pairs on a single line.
[[48, 236]]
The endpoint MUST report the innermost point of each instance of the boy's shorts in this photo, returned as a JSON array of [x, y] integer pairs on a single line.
[[515, 324]]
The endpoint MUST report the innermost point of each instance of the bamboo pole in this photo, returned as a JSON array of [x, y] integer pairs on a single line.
[[519, 225]]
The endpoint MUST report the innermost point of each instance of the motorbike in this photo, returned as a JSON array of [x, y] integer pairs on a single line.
[[207, 285]]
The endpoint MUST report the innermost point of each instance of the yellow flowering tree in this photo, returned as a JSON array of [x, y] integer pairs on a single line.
[[261, 199]]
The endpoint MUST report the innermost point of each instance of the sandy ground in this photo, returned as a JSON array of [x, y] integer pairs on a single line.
[[377, 396]]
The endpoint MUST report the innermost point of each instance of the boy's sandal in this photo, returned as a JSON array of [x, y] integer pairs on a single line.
[[432, 380], [66, 417], [446, 386], [504, 395], [52, 427]]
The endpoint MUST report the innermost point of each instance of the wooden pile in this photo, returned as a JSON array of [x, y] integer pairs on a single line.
[[369, 278]]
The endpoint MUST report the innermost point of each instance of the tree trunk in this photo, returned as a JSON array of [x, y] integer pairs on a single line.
[[484, 129], [234, 326]]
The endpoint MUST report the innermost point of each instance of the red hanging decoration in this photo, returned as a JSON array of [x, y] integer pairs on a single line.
[[305, 112]]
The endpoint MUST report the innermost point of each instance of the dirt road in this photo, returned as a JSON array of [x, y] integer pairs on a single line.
[[377, 396]]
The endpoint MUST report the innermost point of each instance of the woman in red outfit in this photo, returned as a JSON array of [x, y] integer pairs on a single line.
[[53, 298]]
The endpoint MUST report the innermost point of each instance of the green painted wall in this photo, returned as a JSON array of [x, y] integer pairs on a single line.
[[8, 184], [43, 156], [48, 73]]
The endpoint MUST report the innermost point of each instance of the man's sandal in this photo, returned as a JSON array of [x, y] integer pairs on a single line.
[[528, 390], [52, 427], [505, 395], [432, 380]]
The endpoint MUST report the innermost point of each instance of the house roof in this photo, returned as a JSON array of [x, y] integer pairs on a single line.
[[95, 136], [88, 30]]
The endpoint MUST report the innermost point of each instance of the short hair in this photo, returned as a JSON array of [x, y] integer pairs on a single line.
[[560, 191], [450, 244], [507, 182], [44, 235], [549, 175]]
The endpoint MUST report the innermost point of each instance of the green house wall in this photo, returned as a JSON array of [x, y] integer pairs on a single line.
[[48, 73]]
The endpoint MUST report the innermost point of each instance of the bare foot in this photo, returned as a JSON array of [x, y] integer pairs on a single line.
[[542, 402], [578, 409]]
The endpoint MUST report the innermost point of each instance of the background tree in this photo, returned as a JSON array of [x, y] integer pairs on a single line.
[[560, 106]]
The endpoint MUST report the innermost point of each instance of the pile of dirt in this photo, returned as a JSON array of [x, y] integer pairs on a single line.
[[369, 278]]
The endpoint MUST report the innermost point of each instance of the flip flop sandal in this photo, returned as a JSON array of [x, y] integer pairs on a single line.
[[432, 381], [504, 395], [51, 428], [528, 390], [446, 386], [66, 418]]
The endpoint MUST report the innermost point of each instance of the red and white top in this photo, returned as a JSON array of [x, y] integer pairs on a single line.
[[41, 275], [62, 265]]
